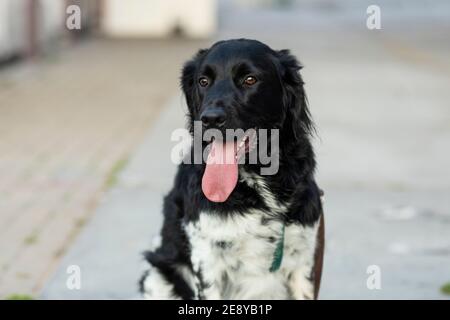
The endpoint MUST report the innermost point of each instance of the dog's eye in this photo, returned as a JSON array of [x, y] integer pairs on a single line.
[[203, 81], [250, 80]]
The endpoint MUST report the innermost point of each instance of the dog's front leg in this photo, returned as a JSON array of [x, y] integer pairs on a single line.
[[301, 284], [304, 282], [208, 287], [211, 292], [154, 286]]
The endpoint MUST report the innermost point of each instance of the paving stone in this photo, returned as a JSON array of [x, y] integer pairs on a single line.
[[65, 124]]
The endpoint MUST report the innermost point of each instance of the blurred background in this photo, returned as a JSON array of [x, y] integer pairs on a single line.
[[89, 96]]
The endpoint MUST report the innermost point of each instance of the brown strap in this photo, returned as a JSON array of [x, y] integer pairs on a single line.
[[318, 257]]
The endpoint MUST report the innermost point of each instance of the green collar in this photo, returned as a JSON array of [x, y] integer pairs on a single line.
[[278, 253]]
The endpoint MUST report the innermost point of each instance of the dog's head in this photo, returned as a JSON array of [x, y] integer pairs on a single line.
[[243, 84]]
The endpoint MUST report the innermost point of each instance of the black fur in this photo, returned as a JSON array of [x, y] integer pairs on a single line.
[[279, 101]]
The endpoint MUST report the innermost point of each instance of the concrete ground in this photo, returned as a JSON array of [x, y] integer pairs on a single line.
[[108, 251], [68, 123], [380, 101]]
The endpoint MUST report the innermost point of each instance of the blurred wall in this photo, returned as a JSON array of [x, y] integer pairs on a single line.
[[12, 27], [30, 26], [159, 18]]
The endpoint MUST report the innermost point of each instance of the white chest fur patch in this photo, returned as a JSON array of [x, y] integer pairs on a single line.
[[233, 253], [233, 256]]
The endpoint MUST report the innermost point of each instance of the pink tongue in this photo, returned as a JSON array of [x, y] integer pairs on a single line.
[[221, 173]]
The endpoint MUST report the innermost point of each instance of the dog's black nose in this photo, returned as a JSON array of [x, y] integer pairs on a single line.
[[213, 117]]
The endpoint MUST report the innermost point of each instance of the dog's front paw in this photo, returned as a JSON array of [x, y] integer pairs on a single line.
[[301, 286], [154, 286]]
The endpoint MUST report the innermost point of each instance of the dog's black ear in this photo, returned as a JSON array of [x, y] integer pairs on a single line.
[[188, 80], [298, 119]]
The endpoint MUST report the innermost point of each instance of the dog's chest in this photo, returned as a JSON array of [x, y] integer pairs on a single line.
[[233, 239], [232, 255]]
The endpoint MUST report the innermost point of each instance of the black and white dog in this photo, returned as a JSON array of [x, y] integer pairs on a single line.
[[231, 232]]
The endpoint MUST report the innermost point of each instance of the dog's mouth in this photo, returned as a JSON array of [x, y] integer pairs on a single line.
[[221, 172]]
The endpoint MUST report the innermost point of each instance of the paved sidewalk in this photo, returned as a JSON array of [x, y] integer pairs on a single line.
[[67, 125], [109, 249]]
